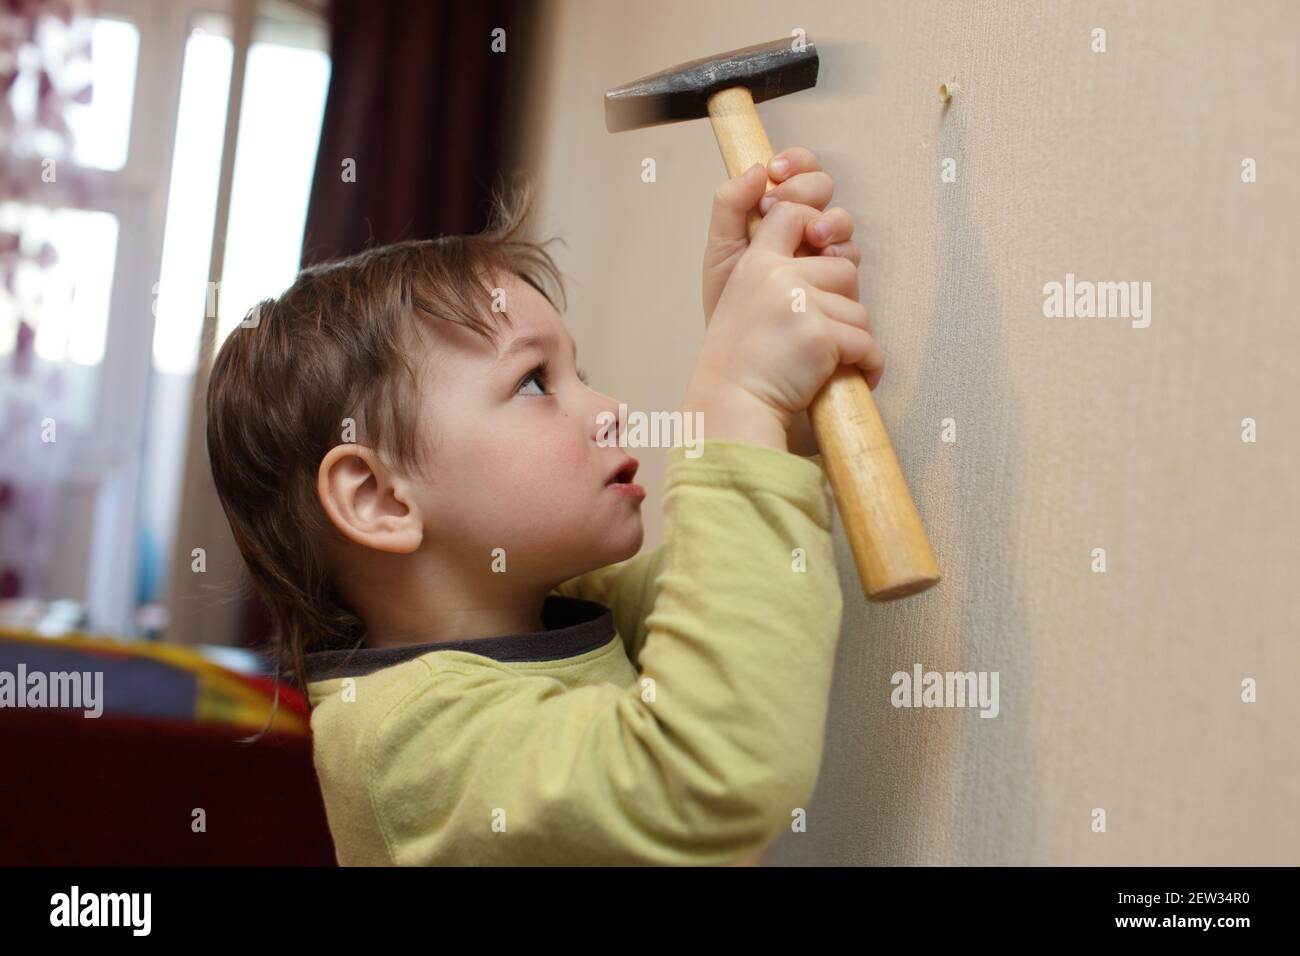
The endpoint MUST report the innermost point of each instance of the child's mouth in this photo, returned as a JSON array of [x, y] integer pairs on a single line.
[[627, 489], [621, 480]]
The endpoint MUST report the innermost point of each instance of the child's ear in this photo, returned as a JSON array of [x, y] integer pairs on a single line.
[[367, 502]]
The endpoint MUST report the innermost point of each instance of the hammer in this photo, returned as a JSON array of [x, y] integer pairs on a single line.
[[889, 545]]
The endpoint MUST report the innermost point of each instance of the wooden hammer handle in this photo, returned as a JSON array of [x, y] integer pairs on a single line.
[[880, 519]]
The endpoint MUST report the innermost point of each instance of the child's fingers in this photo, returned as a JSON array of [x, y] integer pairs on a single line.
[[844, 250], [829, 273], [844, 309], [811, 189], [855, 344], [791, 162], [833, 225], [782, 229]]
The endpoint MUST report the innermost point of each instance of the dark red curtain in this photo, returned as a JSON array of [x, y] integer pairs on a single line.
[[421, 102]]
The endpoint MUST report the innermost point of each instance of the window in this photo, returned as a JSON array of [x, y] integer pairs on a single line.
[[66, 279], [192, 196], [285, 81], [117, 294], [284, 103], [102, 129]]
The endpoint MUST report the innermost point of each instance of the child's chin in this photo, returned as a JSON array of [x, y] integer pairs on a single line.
[[628, 542]]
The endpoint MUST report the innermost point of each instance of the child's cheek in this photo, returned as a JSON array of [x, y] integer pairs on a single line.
[[581, 464]]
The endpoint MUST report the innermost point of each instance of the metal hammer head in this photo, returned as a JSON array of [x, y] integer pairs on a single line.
[[768, 70]]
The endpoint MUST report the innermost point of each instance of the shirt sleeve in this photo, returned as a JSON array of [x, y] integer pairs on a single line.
[[627, 589], [702, 760]]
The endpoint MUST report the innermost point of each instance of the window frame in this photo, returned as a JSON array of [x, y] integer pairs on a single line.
[[109, 459], [108, 462]]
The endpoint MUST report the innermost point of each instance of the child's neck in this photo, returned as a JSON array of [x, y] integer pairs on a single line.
[[398, 627]]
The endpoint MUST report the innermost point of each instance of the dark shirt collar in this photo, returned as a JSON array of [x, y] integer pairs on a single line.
[[573, 627]]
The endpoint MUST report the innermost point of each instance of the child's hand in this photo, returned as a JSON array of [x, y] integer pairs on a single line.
[[783, 325], [802, 181]]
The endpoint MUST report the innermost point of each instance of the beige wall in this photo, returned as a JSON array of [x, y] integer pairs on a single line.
[[1118, 690]]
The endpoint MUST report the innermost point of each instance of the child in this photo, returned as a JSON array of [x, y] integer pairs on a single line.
[[415, 475]]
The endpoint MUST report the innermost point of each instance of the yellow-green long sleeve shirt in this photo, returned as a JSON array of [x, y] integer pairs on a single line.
[[672, 712]]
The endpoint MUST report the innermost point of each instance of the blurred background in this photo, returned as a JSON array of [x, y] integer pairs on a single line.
[[165, 165]]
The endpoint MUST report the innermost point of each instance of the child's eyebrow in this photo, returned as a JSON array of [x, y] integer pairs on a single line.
[[529, 341]]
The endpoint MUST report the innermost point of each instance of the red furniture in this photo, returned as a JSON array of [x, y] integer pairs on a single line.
[[123, 788], [119, 790]]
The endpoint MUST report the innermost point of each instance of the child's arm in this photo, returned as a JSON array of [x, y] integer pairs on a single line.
[[627, 589], [701, 761]]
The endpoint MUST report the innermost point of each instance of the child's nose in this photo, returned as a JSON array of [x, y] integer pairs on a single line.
[[606, 425]]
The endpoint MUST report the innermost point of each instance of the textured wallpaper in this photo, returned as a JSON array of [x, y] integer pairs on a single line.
[[1079, 268]]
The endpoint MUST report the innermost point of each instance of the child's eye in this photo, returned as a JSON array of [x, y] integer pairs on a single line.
[[539, 374]]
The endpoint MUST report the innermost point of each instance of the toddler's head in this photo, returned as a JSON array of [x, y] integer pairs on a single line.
[[406, 449]]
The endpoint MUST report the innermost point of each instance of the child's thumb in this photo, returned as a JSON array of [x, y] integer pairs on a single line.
[[735, 198], [751, 183]]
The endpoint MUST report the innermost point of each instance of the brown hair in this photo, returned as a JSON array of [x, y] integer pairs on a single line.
[[336, 345]]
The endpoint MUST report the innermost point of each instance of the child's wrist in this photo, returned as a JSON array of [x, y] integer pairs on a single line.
[[732, 414]]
